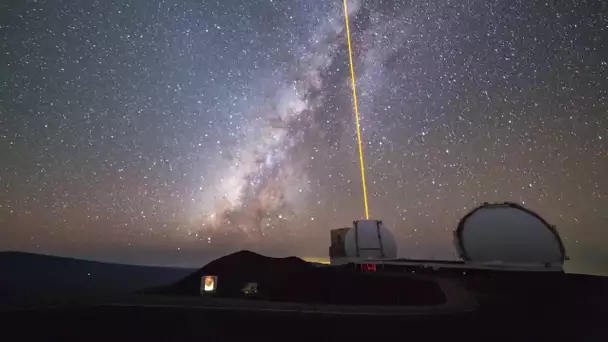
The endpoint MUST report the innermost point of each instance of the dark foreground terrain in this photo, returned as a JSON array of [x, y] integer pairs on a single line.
[[300, 301]]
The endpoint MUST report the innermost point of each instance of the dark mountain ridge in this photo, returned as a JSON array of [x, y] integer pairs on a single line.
[[28, 274]]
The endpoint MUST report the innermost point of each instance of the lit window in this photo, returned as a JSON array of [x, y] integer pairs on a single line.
[[209, 284]]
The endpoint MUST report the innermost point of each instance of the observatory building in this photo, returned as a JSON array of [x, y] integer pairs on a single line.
[[365, 240], [507, 234], [492, 236]]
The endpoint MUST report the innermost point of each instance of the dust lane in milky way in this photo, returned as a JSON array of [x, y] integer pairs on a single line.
[[174, 132]]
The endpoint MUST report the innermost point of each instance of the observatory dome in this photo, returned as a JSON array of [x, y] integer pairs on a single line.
[[370, 239], [508, 233]]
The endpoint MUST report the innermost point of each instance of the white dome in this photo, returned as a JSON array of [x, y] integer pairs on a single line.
[[370, 239], [508, 233]]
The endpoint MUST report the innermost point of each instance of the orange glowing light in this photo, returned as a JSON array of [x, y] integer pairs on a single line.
[[209, 283]]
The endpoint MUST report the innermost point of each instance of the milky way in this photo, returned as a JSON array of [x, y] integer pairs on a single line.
[[172, 132]]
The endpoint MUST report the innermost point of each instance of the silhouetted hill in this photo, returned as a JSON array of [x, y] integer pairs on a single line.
[[27, 274], [239, 268], [294, 280]]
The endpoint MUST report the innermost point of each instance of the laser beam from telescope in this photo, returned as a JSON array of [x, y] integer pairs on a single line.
[[355, 105]]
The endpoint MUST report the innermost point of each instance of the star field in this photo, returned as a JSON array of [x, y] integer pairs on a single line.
[[172, 132]]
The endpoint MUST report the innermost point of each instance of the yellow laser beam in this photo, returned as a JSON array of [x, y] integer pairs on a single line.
[[354, 87]]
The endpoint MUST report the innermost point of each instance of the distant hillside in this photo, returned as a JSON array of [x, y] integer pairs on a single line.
[[26, 274]]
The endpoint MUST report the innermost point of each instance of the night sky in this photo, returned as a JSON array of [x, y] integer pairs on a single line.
[[173, 132]]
